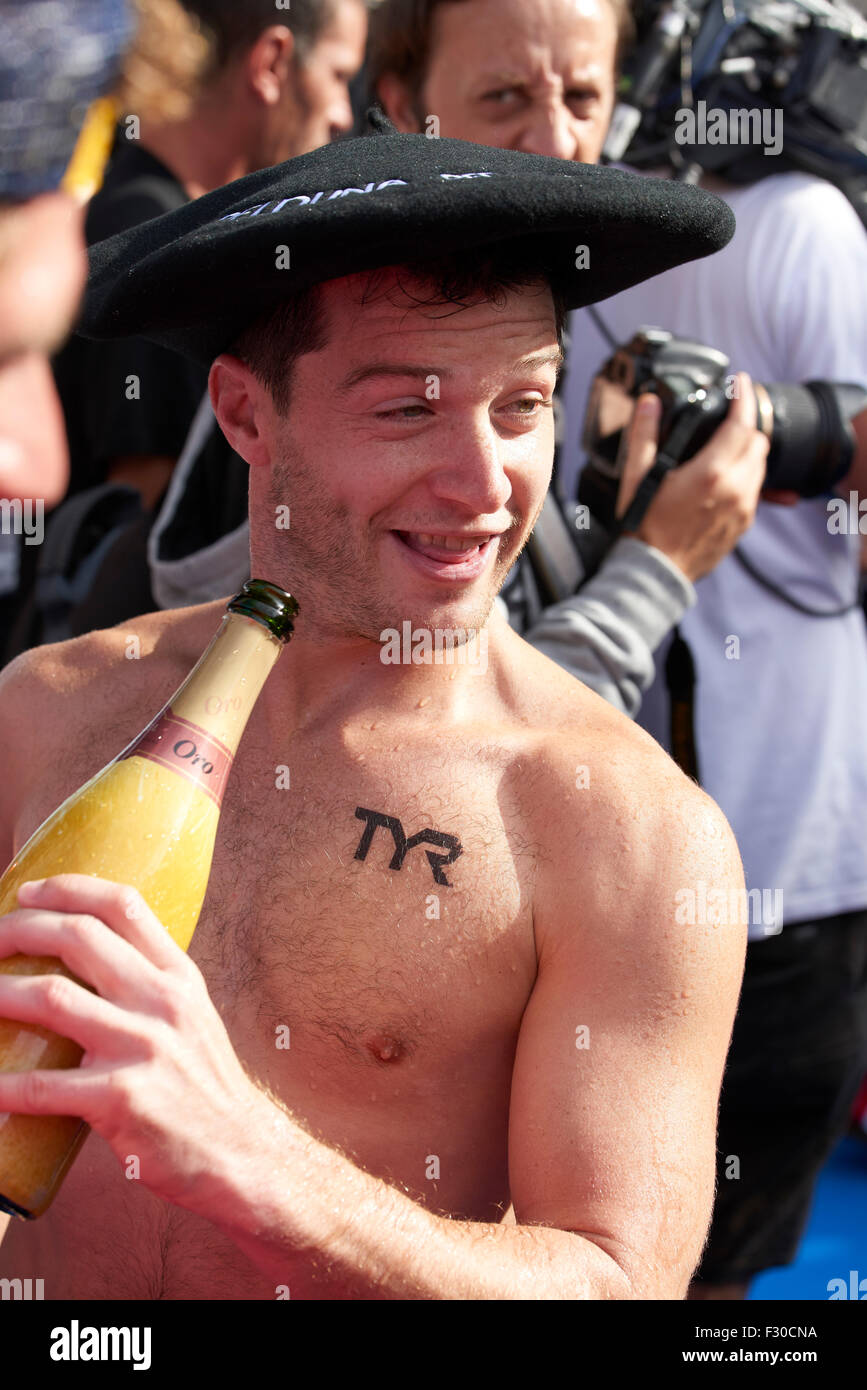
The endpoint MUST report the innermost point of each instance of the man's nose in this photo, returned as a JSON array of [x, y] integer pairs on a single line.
[[549, 128], [340, 115], [472, 470]]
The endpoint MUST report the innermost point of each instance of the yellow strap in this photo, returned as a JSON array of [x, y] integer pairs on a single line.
[[86, 168]]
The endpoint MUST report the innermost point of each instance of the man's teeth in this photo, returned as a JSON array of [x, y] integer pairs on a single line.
[[419, 538]]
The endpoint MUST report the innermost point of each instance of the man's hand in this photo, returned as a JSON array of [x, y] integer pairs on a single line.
[[159, 1080], [701, 509]]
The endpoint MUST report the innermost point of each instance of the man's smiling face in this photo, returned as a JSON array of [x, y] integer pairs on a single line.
[[415, 456]]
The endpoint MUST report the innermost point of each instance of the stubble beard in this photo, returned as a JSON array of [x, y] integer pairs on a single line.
[[339, 580]]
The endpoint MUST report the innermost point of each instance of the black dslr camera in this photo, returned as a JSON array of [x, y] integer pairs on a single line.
[[812, 441]]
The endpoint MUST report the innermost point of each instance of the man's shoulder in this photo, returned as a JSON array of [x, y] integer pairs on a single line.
[[790, 210], [137, 187], [68, 707], [603, 787], [552, 699], [80, 677], [622, 832]]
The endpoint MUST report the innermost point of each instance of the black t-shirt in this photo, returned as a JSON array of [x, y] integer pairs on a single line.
[[128, 397]]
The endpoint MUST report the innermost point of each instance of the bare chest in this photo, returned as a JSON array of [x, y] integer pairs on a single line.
[[369, 907]]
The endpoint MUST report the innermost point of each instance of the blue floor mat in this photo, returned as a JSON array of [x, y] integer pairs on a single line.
[[835, 1241]]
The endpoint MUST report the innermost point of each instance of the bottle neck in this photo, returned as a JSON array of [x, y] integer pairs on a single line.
[[222, 688]]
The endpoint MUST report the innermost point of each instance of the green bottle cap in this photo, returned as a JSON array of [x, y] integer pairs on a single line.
[[269, 605]]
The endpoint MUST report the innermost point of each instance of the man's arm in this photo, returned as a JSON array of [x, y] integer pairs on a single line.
[[623, 1043], [15, 690], [34, 693], [606, 634], [39, 702]]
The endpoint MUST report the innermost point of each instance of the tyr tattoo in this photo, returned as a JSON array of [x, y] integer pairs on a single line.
[[403, 844]]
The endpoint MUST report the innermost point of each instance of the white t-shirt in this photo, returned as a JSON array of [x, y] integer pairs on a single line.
[[781, 728]]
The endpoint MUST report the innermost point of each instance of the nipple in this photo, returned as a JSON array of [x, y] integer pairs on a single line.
[[385, 1048]]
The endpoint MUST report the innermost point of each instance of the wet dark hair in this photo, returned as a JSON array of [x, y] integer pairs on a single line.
[[273, 343]]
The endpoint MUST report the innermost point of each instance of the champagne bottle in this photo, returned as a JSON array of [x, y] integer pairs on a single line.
[[148, 819]]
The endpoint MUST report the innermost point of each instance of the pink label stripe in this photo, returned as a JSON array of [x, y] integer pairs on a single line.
[[207, 761], [175, 765], [202, 733]]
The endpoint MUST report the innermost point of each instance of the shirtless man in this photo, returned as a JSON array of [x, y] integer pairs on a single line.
[[552, 1039]]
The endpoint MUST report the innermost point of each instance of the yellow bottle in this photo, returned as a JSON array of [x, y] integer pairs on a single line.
[[148, 819]]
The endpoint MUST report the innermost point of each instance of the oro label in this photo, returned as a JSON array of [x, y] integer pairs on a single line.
[[186, 748]]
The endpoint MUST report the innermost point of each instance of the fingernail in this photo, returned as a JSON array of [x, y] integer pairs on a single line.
[[33, 885]]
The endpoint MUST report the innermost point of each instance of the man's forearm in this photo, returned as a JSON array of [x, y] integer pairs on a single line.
[[291, 1203]]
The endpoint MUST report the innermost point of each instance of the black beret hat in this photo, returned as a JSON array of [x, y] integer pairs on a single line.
[[195, 277]]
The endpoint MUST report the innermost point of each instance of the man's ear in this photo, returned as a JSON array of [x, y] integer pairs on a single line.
[[240, 404], [268, 61], [397, 103]]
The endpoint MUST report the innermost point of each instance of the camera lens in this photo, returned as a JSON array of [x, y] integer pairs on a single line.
[[812, 442]]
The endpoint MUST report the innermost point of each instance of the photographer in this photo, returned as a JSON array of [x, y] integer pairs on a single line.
[[778, 644], [606, 634]]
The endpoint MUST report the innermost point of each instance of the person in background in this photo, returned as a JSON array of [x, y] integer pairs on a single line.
[[276, 85], [779, 648]]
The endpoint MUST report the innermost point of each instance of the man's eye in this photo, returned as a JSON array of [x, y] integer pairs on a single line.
[[403, 412], [527, 413], [584, 98], [501, 95]]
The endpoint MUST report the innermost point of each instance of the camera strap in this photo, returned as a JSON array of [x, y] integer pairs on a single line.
[[647, 490], [781, 594], [553, 553], [680, 680]]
